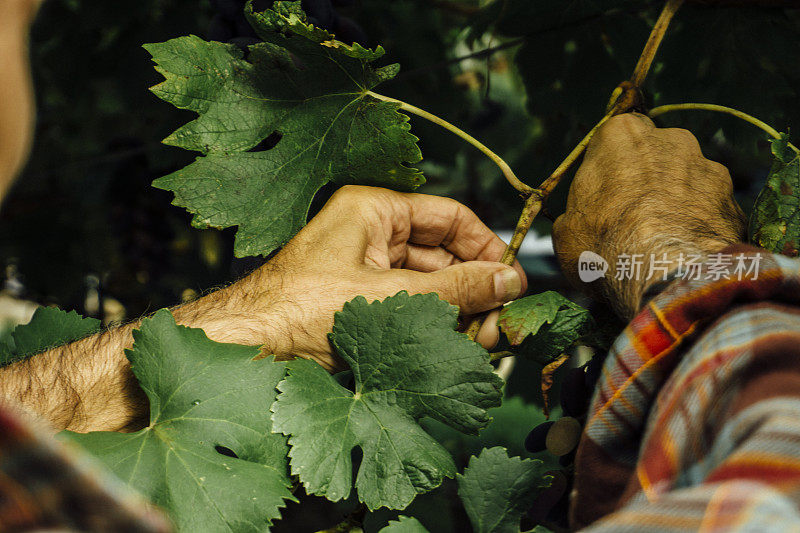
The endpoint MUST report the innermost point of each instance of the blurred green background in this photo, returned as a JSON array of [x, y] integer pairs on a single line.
[[83, 229], [83, 218]]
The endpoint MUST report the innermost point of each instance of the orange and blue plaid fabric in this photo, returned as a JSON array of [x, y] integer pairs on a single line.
[[695, 422], [50, 486]]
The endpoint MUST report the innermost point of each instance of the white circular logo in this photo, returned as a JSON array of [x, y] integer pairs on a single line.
[[591, 266]]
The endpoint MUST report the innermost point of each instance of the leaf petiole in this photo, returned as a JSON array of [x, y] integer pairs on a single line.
[[772, 132], [507, 172]]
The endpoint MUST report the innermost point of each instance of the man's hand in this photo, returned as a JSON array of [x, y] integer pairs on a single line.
[[644, 190], [367, 241], [376, 242]]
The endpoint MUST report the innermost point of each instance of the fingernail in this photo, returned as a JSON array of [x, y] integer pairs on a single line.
[[507, 284]]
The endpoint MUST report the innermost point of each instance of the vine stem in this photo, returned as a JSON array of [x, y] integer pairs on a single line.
[[533, 205], [772, 132], [623, 98], [507, 172], [654, 41]]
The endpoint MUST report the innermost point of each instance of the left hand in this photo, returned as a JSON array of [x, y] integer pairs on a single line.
[[648, 191], [376, 242]]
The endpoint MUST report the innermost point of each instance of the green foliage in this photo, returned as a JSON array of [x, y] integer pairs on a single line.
[[85, 190], [204, 397], [300, 86], [404, 524], [48, 327], [279, 120], [496, 490], [545, 325], [728, 57], [408, 362], [510, 424], [775, 222], [574, 52]]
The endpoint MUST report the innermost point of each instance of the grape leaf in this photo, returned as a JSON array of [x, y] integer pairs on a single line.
[[208, 400], [525, 316], [775, 222], [301, 88], [404, 524], [497, 489], [545, 325], [408, 362], [48, 327], [510, 424]]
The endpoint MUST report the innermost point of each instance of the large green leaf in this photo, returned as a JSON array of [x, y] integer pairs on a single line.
[[775, 222], [546, 325], [48, 327], [497, 489], [208, 400], [408, 362], [301, 88]]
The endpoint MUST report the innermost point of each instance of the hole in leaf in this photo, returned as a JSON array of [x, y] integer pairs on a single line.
[[268, 143], [346, 379], [225, 451], [356, 456]]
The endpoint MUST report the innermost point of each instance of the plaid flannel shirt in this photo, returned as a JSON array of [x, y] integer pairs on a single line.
[[695, 423], [50, 486]]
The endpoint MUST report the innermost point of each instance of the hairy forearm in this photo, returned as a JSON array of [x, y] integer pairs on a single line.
[[81, 386], [88, 385]]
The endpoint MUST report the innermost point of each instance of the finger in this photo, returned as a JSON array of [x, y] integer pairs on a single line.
[[433, 258], [437, 221], [474, 286], [388, 220], [489, 334], [428, 258]]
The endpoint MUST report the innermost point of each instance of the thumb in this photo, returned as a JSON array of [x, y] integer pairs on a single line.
[[474, 286]]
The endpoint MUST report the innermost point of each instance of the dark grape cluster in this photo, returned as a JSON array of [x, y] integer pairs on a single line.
[[561, 438], [230, 25], [578, 387]]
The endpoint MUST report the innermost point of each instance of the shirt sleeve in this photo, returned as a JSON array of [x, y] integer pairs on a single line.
[[46, 485], [695, 424]]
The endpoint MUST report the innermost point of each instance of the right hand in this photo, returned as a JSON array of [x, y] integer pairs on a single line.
[[644, 190], [376, 242]]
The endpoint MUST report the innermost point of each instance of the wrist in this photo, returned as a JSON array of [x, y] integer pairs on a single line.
[[238, 313], [637, 270]]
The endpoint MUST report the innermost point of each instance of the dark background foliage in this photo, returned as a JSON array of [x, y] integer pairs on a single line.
[[83, 219]]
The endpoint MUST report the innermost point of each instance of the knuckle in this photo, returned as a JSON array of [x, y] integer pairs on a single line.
[[719, 175], [623, 121], [718, 170], [462, 289], [348, 193], [626, 123], [619, 129], [683, 137]]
